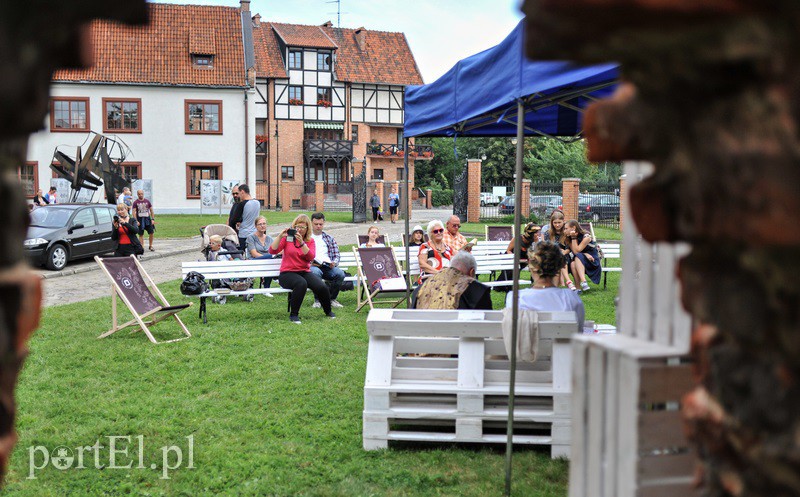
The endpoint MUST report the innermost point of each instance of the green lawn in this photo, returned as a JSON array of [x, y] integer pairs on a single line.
[[273, 408], [188, 225]]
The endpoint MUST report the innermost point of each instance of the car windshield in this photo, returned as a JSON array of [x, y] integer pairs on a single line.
[[51, 217]]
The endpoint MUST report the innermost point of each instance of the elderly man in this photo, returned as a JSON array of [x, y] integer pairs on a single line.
[[453, 287], [452, 237]]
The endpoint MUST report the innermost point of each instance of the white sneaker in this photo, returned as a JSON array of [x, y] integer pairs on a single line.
[[316, 304], [335, 303]]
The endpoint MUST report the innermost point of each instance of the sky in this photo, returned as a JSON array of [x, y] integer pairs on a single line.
[[439, 32]]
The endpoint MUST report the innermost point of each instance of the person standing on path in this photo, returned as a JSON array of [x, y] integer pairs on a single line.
[[125, 198], [144, 214], [394, 203], [375, 203], [250, 211], [235, 215], [51, 195]]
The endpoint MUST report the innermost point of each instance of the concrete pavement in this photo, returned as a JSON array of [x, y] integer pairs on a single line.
[[82, 280]]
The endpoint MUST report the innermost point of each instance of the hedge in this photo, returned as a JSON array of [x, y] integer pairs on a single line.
[[442, 197]]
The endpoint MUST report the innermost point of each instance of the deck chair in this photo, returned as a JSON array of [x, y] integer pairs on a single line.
[[128, 284], [499, 233], [380, 278], [365, 238]]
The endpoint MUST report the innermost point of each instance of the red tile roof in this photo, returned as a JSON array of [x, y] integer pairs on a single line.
[[386, 58], [269, 63], [159, 53], [298, 35]]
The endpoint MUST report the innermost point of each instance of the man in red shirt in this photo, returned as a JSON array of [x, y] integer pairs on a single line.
[[142, 211]]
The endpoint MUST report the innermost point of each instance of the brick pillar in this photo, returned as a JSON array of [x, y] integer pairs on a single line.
[[526, 195], [428, 198], [379, 188], [623, 199], [286, 196], [570, 188], [473, 190], [319, 196]]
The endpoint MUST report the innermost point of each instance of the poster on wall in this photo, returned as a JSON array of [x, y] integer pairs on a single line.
[[216, 194], [64, 192], [145, 185]]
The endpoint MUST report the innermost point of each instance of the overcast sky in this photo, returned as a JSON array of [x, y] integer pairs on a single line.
[[440, 32]]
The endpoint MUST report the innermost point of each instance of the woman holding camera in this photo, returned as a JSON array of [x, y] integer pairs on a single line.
[[298, 251], [125, 231]]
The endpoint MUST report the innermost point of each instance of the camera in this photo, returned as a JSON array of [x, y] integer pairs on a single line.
[[290, 234], [116, 219]]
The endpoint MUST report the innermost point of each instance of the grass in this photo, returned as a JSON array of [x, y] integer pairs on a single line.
[[188, 225], [274, 408]]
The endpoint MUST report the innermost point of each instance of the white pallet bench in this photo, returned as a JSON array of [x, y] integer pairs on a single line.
[[463, 396], [610, 251], [251, 268], [621, 383]]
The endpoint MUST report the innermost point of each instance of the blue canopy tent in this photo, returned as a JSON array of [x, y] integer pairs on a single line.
[[482, 95], [479, 95]]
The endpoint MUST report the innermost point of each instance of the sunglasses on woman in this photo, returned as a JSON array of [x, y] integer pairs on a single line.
[[436, 232]]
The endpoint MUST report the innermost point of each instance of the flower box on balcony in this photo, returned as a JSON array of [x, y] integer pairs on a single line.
[[324, 103], [261, 139], [295, 101], [400, 153], [427, 155], [412, 154], [387, 153]]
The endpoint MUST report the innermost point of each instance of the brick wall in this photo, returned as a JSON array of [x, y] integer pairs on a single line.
[[525, 210]]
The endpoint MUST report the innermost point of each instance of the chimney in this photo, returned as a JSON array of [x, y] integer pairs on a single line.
[[257, 20], [244, 5], [328, 24], [361, 38]]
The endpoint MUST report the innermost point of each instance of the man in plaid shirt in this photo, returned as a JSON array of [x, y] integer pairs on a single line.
[[326, 262], [452, 238]]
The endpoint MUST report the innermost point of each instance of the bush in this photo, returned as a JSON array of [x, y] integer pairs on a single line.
[[441, 197]]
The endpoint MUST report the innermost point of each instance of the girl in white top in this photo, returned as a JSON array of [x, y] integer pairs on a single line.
[[373, 235], [545, 264]]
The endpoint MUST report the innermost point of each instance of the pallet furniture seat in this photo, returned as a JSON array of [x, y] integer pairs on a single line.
[[460, 392], [127, 283]]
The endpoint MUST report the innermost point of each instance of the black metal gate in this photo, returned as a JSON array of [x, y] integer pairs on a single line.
[[460, 196], [360, 197]]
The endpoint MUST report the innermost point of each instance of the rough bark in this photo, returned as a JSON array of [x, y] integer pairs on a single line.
[[36, 37], [711, 98]]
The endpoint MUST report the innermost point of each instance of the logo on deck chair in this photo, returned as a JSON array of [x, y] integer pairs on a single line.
[[126, 282], [382, 264]]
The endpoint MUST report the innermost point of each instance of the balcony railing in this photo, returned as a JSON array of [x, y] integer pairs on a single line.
[[328, 149], [415, 152]]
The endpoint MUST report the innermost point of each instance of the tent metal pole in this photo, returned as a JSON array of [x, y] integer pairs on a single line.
[[405, 199], [515, 291]]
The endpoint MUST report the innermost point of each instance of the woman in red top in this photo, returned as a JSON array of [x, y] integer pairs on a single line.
[[296, 275], [125, 231]]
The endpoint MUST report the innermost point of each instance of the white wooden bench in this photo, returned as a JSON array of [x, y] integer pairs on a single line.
[[463, 396], [610, 251], [251, 268]]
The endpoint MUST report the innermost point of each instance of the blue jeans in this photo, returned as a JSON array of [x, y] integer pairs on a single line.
[[332, 274]]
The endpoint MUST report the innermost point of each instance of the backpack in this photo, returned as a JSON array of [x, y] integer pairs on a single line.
[[194, 284]]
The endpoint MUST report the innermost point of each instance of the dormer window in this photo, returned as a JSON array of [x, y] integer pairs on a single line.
[[323, 61], [202, 61], [295, 59]]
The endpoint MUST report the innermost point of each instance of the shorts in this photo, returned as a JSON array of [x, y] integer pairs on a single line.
[[392, 209], [146, 224]]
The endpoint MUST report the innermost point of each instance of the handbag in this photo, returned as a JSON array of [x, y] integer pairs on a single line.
[[194, 284]]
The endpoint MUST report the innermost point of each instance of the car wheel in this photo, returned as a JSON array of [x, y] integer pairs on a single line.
[[595, 217], [56, 257]]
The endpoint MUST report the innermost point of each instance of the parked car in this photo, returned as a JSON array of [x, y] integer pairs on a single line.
[[507, 205], [595, 207], [61, 233], [543, 205], [489, 198]]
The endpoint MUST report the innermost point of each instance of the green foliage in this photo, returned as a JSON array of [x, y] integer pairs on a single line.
[[551, 160], [441, 197], [188, 225]]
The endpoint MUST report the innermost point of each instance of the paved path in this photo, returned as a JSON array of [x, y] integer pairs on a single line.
[[82, 280]]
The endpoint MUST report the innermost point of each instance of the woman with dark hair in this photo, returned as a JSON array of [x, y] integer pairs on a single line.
[[545, 263], [585, 260], [124, 231], [299, 250]]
